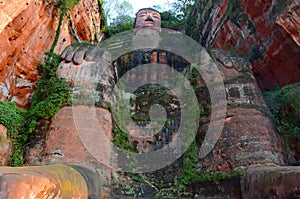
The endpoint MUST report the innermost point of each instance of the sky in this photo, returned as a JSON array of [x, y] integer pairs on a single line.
[[138, 4]]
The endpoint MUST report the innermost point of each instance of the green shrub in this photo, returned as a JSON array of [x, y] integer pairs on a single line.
[[121, 140], [284, 105], [12, 117], [51, 94]]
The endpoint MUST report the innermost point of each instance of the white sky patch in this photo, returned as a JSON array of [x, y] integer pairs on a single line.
[[138, 4]]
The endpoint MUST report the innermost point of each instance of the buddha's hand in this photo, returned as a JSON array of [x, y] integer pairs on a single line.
[[77, 53]]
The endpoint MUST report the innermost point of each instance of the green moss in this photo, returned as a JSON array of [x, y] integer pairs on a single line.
[[190, 165], [284, 105], [13, 118], [183, 189], [121, 140], [103, 20], [234, 8], [51, 94], [191, 175], [215, 177], [199, 23], [63, 4], [256, 53]]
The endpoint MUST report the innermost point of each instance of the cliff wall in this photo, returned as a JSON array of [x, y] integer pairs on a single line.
[[264, 31], [27, 31]]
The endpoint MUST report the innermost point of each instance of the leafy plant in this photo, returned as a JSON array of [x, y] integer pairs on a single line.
[[190, 165], [120, 24], [12, 117], [50, 95], [121, 140], [169, 19], [181, 188], [122, 20], [284, 105], [183, 7], [234, 8]]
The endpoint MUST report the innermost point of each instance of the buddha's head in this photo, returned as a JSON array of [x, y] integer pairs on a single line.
[[147, 17]]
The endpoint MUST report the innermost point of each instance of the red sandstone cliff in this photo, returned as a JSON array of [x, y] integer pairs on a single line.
[[265, 30], [27, 30]]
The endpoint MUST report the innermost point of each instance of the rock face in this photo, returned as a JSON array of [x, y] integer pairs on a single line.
[[5, 146], [80, 134], [271, 182], [289, 20], [252, 29], [55, 181], [27, 30], [57, 141], [249, 136], [61, 142]]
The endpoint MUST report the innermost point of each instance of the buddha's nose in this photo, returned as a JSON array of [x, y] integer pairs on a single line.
[[149, 18]]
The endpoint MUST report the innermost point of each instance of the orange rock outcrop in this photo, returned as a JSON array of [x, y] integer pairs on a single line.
[[27, 31], [252, 27]]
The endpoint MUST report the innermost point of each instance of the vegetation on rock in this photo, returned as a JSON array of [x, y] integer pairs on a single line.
[[121, 140], [255, 53], [120, 22], [284, 104], [174, 18], [200, 22], [277, 8], [50, 95]]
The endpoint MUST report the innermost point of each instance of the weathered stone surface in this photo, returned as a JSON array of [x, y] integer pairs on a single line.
[[271, 182], [27, 31], [58, 141], [247, 26], [289, 20], [55, 181], [5, 146], [249, 136], [62, 143], [92, 82], [284, 104]]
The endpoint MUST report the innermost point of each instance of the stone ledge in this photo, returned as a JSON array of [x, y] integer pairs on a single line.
[[271, 182]]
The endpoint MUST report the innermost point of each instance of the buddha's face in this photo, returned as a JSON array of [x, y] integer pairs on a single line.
[[148, 18]]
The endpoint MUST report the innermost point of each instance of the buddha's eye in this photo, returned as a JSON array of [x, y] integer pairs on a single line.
[[142, 14]]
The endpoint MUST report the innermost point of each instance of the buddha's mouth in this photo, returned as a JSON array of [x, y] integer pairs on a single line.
[[149, 23], [149, 19]]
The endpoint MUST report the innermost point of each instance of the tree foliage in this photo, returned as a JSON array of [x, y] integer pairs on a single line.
[[120, 24], [63, 4], [118, 14], [183, 8], [51, 94], [285, 108], [169, 19]]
